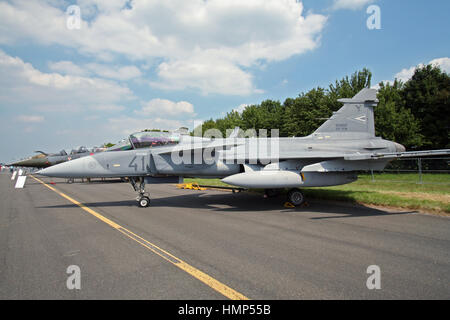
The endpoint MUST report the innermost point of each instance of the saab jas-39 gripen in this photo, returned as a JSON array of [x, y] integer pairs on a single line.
[[45, 160], [344, 145]]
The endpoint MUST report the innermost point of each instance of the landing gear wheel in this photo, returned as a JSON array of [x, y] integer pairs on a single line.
[[144, 202], [296, 197], [138, 185]]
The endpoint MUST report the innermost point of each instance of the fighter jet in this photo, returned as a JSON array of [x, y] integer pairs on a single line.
[[38, 161], [344, 145], [44, 160]]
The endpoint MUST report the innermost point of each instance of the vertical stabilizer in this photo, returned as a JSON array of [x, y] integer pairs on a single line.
[[356, 116]]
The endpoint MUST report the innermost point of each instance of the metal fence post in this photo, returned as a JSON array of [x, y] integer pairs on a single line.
[[419, 163]]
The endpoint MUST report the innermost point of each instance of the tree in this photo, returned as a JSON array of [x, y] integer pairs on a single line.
[[208, 124], [427, 95], [306, 113], [348, 88], [393, 121], [268, 115]]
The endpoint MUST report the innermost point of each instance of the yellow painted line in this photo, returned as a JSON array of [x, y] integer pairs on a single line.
[[196, 273]]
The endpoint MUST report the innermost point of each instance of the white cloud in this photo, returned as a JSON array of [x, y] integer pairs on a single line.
[[443, 63], [30, 118], [116, 72], [67, 67], [241, 108], [222, 36], [351, 4], [208, 76], [163, 106], [110, 107], [27, 86], [407, 73]]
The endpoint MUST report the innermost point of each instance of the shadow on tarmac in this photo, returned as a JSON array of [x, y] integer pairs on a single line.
[[244, 202]]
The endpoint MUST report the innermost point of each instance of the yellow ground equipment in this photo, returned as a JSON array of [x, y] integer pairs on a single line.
[[190, 186]]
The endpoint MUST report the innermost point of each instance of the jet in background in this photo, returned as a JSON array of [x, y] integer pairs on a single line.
[[135, 141], [333, 155], [44, 160], [38, 161]]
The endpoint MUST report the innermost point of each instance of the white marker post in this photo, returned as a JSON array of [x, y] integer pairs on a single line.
[[21, 182], [14, 175]]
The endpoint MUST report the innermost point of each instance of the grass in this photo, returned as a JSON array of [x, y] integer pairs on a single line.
[[393, 190]]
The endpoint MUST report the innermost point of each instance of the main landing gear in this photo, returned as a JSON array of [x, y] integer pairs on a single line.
[[138, 185], [296, 197]]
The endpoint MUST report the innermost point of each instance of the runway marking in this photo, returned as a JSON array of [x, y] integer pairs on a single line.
[[196, 273]]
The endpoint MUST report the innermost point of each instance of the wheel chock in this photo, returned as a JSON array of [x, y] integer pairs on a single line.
[[288, 205], [190, 186]]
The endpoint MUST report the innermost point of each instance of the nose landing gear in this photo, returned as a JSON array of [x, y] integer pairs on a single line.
[[144, 201], [143, 197]]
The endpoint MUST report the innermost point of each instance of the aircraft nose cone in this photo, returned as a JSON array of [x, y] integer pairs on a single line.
[[55, 171], [86, 167], [70, 169], [399, 147]]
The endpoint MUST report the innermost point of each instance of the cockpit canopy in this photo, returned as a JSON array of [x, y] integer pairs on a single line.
[[121, 146], [150, 139], [97, 149], [146, 139], [79, 150]]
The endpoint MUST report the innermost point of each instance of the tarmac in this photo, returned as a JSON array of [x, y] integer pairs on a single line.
[[210, 245]]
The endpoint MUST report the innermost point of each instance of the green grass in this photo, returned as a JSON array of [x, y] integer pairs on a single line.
[[394, 190]]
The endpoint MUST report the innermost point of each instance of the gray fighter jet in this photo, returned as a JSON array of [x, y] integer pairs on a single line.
[[44, 160], [37, 161], [344, 145]]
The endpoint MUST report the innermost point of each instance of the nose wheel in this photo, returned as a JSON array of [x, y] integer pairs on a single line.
[[144, 202], [143, 198]]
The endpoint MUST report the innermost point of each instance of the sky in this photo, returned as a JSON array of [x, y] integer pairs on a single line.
[[86, 72]]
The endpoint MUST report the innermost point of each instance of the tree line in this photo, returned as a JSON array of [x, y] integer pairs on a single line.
[[415, 113]]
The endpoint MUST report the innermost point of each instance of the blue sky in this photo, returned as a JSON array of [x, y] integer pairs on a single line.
[[164, 64]]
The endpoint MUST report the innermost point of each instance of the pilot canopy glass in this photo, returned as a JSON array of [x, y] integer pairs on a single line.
[[79, 150], [150, 139]]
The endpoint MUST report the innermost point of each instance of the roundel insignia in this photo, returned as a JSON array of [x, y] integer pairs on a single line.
[[91, 165]]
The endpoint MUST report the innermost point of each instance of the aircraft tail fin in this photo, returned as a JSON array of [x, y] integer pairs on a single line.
[[42, 152], [356, 116]]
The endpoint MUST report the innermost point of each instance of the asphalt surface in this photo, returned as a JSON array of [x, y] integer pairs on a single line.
[[252, 245]]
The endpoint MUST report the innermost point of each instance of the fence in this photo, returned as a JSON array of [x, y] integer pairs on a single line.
[[421, 167]]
